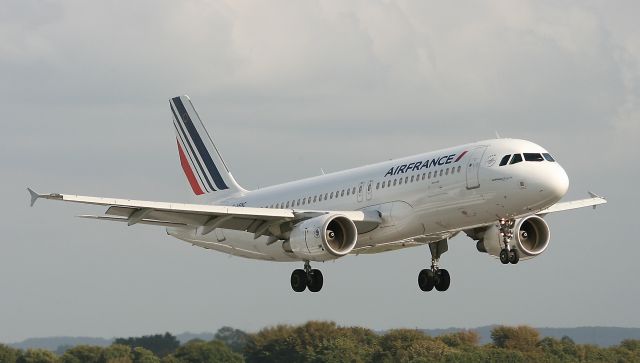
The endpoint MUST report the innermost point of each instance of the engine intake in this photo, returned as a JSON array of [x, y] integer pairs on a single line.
[[531, 238], [322, 238]]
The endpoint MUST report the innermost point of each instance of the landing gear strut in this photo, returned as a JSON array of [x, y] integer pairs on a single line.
[[435, 276], [307, 278], [508, 255]]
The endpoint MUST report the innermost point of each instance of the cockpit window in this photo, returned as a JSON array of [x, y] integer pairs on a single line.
[[516, 159], [533, 157], [548, 157], [505, 160]]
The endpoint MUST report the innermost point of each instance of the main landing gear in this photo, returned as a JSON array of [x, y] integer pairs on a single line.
[[307, 278], [507, 254], [435, 276]]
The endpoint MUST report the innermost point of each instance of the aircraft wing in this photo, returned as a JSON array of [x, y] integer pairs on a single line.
[[255, 220], [594, 201]]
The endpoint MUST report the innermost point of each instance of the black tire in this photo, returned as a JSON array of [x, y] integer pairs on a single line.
[[504, 256], [298, 280], [426, 280], [443, 280], [514, 257], [315, 280]]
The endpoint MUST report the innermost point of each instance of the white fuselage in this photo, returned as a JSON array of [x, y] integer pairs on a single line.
[[420, 199]]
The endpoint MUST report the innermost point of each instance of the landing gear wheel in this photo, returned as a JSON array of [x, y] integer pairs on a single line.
[[504, 256], [426, 280], [298, 280], [314, 280], [514, 257], [443, 280]]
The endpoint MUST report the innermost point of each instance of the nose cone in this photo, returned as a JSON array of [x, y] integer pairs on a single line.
[[557, 182]]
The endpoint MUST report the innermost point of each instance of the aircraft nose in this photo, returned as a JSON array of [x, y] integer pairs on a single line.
[[557, 182]]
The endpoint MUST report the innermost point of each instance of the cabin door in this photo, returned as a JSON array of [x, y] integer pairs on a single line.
[[473, 167]]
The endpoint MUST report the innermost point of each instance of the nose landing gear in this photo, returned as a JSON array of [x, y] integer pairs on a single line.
[[508, 255], [307, 278]]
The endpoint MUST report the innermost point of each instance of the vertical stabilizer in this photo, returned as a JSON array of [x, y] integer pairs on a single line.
[[201, 162]]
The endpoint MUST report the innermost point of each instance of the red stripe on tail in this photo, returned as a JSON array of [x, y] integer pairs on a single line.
[[188, 172]]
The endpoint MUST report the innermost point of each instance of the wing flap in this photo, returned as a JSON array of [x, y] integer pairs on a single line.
[[142, 221]]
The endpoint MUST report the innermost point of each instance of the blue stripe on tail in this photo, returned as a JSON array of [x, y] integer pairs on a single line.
[[188, 143], [202, 149]]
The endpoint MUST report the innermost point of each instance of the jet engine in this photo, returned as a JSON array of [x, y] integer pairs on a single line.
[[322, 238], [530, 238]]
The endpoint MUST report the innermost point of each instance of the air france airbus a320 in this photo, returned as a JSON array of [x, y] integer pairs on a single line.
[[495, 191]]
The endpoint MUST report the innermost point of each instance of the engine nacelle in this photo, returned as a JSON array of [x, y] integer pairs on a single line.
[[322, 238], [530, 238]]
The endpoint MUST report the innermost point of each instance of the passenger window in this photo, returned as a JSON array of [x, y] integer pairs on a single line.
[[348, 191], [287, 204], [331, 195], [378, 185], [412, 178], [326, 195], [353, 191], [406, 178], [383, 183], [429, 175], [369, 187], [424, 175], [389, 183], [505, 160], [309, 200], [446, 171], [516, 159], [459, 167], [440, 172], [395, 181], [400, 181], [342, 193], [548, 157], [303, 201], [533, 157], [315, 198], [453, 169], [298, 202]]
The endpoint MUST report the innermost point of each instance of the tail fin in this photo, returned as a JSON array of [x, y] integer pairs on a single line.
[[201, 162]]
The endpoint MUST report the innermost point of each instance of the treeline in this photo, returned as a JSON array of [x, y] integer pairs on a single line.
[[328, 342]]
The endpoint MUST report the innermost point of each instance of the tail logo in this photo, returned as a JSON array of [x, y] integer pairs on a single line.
[[194, 154]]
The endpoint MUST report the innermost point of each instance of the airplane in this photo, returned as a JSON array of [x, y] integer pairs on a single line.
[[496, 191]]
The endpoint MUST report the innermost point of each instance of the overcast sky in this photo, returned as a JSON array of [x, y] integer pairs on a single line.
[[287, 88]]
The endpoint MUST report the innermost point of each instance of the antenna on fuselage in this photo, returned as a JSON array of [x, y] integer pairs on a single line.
[[497, 135], [322, 171]]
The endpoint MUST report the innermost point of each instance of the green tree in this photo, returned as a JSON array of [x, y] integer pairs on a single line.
[[461, 339], [408, 345], [522, 338], [198, 351], [234, 338], [8, 354], [631, 344], [160, 345], [116, 353], [312, 342], [37, 356], [142, 355], [81, 354]]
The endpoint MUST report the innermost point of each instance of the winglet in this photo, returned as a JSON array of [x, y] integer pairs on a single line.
[[34, 196], [594, 195]]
